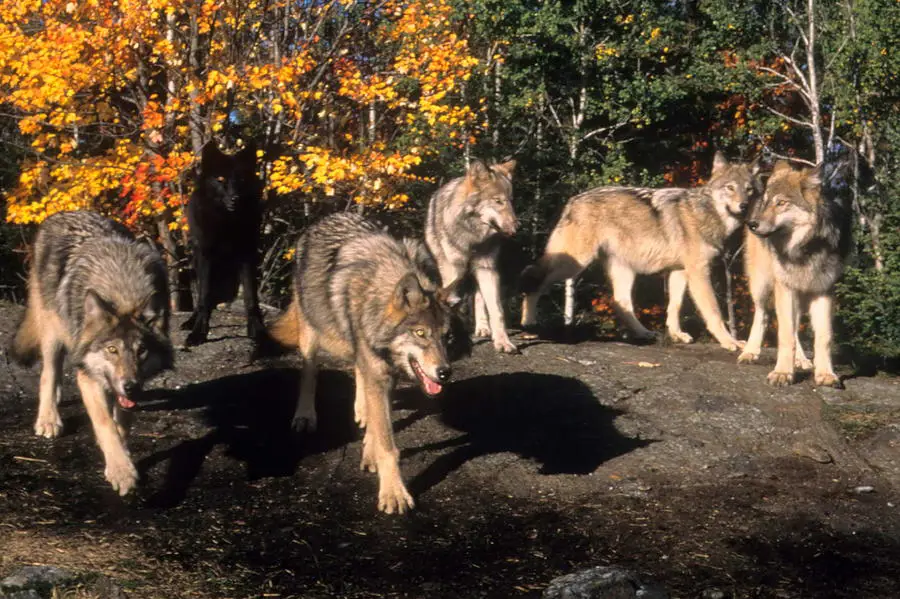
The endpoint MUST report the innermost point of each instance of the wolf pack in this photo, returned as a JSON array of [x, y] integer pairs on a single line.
[[98, 296]]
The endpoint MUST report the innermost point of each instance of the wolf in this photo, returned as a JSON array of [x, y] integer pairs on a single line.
[[797, 243], [224, 216], [646, 231], [464, 226], [362, 296], [100, 296]]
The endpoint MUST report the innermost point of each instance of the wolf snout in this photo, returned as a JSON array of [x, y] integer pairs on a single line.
[[743, 206], [131, 387], [444, 373]]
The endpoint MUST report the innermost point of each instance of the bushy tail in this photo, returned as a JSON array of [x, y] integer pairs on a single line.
[[286, 330], [27, 342]]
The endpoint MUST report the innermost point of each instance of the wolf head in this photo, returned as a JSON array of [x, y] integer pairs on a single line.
[[229, 179], [790, 203], [733, 187], [121, 351], [417, 345], [488, 205]]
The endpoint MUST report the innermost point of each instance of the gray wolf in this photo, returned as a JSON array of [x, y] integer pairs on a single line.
[[464, 226], [363, 296], [796, 244], [646, 231], [224, 215], [100, 296]]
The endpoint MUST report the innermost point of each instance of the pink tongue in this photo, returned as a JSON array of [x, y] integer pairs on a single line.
[[125, 402], [431, 388]]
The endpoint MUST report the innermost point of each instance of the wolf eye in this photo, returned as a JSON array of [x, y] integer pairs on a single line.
[[500, 200], [781, 203], [112, 349], [420, 332]]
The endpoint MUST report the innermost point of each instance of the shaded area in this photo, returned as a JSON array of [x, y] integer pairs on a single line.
[[250, 414], [553, 420]]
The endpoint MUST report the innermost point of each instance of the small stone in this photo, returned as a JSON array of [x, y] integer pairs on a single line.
[[814, 452], [603, 582], [863, 489], [36, 577], [712, 594]]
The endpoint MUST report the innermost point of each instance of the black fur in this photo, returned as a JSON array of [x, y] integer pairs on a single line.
[[224, 215]]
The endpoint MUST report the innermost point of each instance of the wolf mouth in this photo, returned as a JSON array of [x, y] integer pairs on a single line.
[[125, 402], [429, 386]]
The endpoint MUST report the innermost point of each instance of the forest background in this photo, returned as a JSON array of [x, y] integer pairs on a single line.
[[370, 105]]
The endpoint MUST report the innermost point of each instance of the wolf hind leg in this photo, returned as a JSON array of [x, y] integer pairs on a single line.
[[49, 423], [622, 277], [549, 269], [305, 419]]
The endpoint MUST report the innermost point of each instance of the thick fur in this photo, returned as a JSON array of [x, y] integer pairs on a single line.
[[99, 295], [463, 228], [647, 231], [796, 243], [365, 297], [224, 214]]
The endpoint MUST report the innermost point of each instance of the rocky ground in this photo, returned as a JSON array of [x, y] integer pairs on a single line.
[[673, 462]]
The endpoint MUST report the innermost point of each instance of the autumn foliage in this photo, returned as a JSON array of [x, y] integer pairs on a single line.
[[116, 98]]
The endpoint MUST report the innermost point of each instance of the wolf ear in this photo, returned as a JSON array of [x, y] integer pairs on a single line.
[[755, 167], [95, 308], [452, 294], [408, 294], [506, 168], [248, 154], [719, 162], [478, 171], [781, 165], [812, 177], [211, 155]]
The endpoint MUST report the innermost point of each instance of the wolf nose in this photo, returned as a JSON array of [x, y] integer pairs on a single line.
[[752, 225], [743, 206], [130, 388], [444, 373]]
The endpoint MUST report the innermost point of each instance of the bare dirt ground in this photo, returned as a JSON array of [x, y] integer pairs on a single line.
[[672, 461]]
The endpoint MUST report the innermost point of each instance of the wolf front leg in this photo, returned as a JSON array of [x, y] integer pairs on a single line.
[[785, 305], [120, 471], [199, 320], [677, 288], [380, 453], [489, 287], [820, 312]]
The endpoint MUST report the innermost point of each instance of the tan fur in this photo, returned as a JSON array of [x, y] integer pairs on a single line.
[[795, 246], [645, 231], [286, 329]]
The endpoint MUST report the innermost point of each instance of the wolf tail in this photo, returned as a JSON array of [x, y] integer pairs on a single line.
[[27, 342], [286, 330]]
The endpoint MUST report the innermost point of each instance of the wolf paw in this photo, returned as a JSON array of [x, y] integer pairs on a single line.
[[780, 379], [828, 379], [680, 337], [748, 357], [482, 332], [304, 423], [48, 427], [122, 475], [505, 346], [195, 338], [803, 363], [732, 344], [394, 498]]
